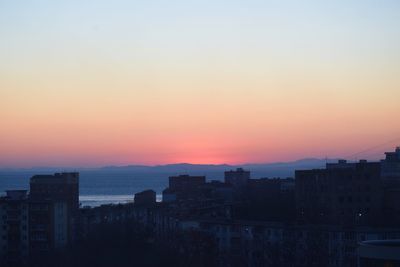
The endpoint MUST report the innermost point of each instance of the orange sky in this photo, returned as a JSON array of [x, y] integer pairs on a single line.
[[92, 88]]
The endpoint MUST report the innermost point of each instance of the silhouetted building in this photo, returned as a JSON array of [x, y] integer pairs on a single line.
[[169, 195], [145, 198], [220, 190], [53, 205], [391, 165], [183, 182], [60, 186], [362, 193], [14, 247], [269, 199], [317, 219], [343, 193], [183, 187], [238, 178]]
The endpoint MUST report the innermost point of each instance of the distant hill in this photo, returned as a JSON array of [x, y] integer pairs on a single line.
[[277, 169]]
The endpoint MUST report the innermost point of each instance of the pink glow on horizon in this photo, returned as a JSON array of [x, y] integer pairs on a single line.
[[120, 82]]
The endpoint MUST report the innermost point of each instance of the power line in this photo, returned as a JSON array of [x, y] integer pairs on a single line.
[[374, 147]]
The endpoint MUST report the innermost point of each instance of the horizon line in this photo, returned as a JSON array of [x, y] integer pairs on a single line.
[[180, 163]]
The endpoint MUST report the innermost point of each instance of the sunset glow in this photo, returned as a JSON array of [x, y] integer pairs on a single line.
[[148, 82]]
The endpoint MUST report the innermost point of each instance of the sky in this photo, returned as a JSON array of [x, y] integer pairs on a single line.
[[92, 83]]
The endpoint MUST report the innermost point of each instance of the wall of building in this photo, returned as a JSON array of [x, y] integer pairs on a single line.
[[60, 224]]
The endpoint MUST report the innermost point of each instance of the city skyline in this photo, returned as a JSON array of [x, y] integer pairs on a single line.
[[100, 83]]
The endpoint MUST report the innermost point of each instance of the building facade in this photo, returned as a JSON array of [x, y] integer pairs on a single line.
[[14, 223], [237, 178], [183, 187], [54, 206], [343, 194]]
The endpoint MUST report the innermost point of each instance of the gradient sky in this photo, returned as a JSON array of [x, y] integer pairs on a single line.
[[91, 83]]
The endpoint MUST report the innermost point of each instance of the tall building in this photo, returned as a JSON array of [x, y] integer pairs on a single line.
[[58, 187], [54, 206], [145, 198], [343, 193], [269, 199], [238, 178], [14, 233], [391, 165], [185, 182], [390, 173], [183, 187]]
